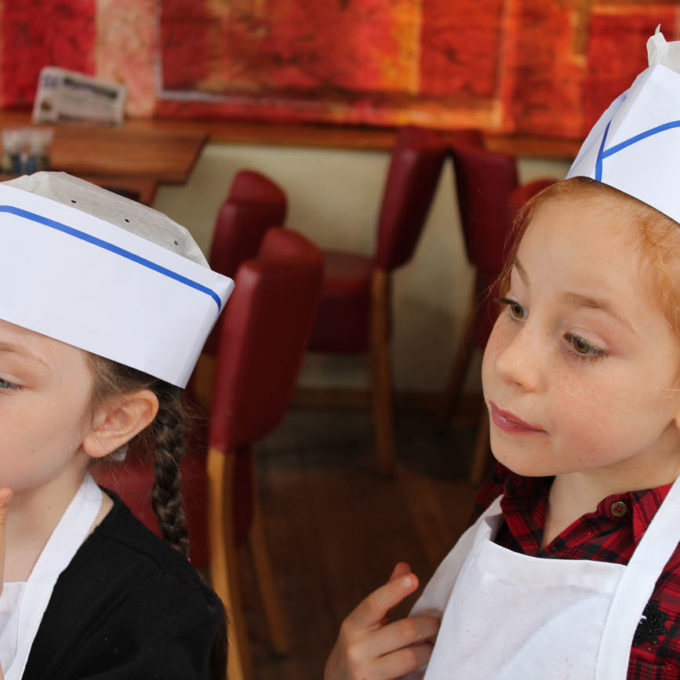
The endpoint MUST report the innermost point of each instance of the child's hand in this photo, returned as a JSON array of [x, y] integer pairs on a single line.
[[371, 648], [5, 497]]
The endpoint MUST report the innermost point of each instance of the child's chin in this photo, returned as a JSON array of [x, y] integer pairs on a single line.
[[519, 464]]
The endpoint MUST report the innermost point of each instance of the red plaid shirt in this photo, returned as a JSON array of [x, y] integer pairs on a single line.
[[610, 534]]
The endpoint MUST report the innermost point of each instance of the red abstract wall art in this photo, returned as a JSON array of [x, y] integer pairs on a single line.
[[546, 67]]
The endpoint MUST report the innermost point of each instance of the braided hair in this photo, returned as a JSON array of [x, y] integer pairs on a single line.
[[165, 435]]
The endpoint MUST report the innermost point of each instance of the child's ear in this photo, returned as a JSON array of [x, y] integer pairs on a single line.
[[118, 420]]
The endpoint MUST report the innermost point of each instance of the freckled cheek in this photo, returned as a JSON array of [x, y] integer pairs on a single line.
[[581, 417]]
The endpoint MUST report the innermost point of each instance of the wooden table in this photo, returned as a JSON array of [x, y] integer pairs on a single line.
[[130, 157], [165, 156]]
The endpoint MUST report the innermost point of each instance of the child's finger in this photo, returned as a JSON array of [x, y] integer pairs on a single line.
[[382, 653], [404, 633], [400, 569], [375, 607], [402, 661]]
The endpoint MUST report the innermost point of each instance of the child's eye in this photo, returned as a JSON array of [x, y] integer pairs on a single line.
[[7, 385], [516, 310], [582, 348]]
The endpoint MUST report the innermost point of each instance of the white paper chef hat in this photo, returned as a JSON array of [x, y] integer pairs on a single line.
[[106, 274], [635, 145]]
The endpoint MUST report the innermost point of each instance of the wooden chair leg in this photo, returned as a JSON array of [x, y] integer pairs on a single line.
[[224, 562], [461, 363], [383, 413], [265, 578], [204, 379], [481, 455]]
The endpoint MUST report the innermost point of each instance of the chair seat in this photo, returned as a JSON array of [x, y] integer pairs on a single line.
[[343, 316]]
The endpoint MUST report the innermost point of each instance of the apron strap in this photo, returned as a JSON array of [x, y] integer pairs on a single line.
[[73, 528], [637, 585]]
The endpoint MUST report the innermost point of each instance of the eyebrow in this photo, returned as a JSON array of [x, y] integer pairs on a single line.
[[579, 300], [10, 348], [521, 271]]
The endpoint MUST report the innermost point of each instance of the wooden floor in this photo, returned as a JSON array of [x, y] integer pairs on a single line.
[[335, 528]]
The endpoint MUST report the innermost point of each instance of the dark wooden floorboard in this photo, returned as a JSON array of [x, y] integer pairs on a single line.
[[335, 528]]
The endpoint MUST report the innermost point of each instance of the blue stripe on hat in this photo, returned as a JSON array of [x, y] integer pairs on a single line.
[[58, 226], [600, 154], [605, 153]]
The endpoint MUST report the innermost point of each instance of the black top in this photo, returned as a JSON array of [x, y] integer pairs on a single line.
[[128, 606]]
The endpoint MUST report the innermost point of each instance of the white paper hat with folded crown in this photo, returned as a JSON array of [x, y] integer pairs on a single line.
[[635, 145], [106, 274]]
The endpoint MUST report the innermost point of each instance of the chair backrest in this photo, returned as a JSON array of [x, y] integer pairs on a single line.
[[415, 165], [489, 198], [484, 181], [264, 335], [473, 137], [254, 204]]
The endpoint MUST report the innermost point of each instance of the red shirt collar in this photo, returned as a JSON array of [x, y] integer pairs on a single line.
[[525, 503]]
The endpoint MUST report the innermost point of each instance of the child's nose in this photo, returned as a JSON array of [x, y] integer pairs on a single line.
[[519, 359]]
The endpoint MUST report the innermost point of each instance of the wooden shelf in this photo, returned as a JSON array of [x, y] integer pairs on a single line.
[[145, 132], [348, 137]]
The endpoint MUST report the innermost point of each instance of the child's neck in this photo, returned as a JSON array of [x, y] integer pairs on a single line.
[[33, 515], [575, 494]]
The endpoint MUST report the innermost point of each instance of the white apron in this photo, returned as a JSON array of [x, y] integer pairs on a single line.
[[507, 616], [23, 604]]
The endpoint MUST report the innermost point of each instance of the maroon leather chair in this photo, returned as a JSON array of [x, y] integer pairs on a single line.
[[489, 196], [254, 205], [354, 312], [263, 337]]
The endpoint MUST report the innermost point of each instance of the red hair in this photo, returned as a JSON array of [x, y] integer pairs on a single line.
[[659, 240]]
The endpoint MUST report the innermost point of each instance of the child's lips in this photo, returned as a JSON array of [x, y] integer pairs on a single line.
[[509, 422]]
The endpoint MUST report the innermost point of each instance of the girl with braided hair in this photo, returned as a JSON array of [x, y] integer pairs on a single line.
[[104, 307]]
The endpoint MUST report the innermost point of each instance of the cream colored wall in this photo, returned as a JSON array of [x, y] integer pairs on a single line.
[[334, 197]]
